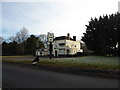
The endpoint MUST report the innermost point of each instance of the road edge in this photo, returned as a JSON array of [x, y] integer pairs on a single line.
[[94, 73]]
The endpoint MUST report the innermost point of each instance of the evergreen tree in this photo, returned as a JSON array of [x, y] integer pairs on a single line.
[[101, 34], [32, 44]]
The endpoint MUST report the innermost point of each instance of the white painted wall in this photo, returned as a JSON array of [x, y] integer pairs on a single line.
[[72, 46]]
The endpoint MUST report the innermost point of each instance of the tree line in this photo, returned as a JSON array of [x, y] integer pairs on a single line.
[[102, 35], [21, 44]]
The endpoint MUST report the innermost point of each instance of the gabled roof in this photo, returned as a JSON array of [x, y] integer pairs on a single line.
[[62, 38]]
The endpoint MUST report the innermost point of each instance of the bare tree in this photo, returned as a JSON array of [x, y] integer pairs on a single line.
[[1, 40], [12, 39], [22, 35]]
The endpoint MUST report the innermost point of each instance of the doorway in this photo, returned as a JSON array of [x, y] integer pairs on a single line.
[[56, 54]]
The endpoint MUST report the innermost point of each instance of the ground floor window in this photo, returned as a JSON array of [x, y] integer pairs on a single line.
[[62, 51]]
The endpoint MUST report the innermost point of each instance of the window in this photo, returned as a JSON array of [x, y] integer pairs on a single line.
[[55, 45], [62, 51], [62, 44]]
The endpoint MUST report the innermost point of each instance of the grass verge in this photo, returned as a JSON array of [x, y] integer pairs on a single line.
[[88, 62]]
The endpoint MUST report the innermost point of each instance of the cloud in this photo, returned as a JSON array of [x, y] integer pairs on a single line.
[[0, 19], [18, 15], [119, 6], [74, 17], [59, 16]]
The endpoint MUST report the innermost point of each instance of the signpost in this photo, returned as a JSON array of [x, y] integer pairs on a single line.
[[50, 37], [50, 49]]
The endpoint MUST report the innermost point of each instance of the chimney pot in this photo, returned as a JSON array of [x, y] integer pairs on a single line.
[[68, 36], [74, 38]]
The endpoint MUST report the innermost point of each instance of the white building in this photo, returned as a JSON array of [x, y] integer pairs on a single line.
[[64, 45], [41, 52]]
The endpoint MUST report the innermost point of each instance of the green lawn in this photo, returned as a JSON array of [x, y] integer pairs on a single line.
[[86, 62], [96, 62]]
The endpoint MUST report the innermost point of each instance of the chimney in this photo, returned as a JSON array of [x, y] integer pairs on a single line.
[[74, 38], [68, 36]]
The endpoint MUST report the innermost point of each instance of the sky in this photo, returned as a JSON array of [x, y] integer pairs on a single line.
[[57, 16]]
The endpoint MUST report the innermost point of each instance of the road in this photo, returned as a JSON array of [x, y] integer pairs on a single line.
[[26, 77], [0, 74]]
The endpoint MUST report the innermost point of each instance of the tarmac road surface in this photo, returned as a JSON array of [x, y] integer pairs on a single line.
[[25, 77]]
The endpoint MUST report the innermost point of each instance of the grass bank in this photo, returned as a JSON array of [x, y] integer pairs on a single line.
[[86, 62]]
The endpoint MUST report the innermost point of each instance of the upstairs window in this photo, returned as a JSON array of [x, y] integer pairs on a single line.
[[61, 44]]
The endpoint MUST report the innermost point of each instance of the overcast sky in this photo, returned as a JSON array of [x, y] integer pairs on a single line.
[[59, 16]]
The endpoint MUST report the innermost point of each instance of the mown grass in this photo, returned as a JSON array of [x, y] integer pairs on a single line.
[[91, 62], [87, 62]]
